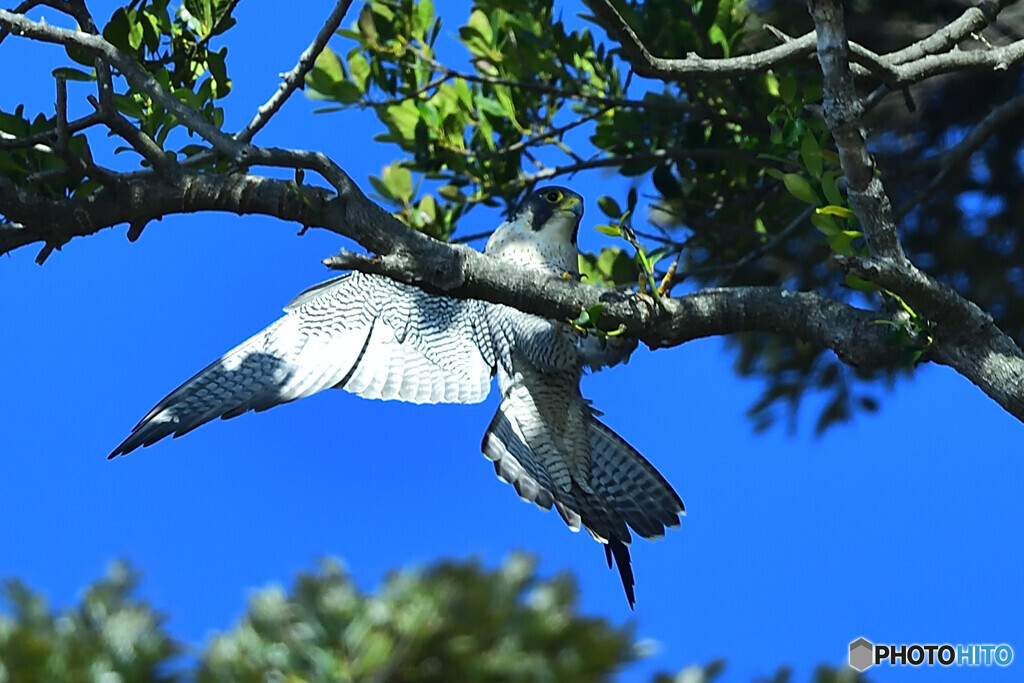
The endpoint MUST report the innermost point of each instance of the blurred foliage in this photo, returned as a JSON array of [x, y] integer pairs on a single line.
[[739, 178], [110, 636], [743, 182], [452, 621]]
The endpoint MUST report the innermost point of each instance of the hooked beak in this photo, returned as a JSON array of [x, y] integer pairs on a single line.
[[572, 205]]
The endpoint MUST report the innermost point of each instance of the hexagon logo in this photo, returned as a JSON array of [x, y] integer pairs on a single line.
[[861, 654]]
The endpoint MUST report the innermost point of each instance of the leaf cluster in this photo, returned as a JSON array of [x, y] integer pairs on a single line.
[[448, 621]]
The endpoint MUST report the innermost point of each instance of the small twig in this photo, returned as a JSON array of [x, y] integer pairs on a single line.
[[900, 68], [602, 100], [294, 78], [314, 161], [997, 59], [8, 141], [619, 160], [554, 133], [62, 114], [415, 94], [958, 155], [971, 21], [732, 269], [138, 139], [646, 64], [20, 9]]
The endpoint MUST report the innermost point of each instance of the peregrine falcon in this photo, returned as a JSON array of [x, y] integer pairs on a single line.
[[379, 338]]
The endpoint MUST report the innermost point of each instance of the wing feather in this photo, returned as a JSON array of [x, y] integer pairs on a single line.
[[369, 335]]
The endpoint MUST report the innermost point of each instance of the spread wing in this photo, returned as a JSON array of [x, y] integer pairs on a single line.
[[369, 335]]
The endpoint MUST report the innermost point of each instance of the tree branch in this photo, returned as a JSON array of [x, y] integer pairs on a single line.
[[963, 150], [997, 59], [654, 157], [897, 69], [646, 64], [964, 336], [294, 78], [971, 21], [843, 112], [453, 270], [98, 47]]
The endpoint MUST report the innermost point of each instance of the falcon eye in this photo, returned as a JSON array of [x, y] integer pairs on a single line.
[[553, 196]]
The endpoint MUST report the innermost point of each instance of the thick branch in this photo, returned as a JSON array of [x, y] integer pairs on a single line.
[[450, 269], [964, 336], [843, 111], [853, 334]]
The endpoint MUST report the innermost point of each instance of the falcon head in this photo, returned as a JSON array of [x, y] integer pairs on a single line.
[[541, 234]]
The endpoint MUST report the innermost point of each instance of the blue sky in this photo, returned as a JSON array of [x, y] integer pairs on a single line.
[[903, 527]]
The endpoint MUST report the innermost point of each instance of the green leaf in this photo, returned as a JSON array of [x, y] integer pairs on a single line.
[[326, 72], [800, 188], [841, 241], [809, 154], [215, 61], [452, 193], [346, 92], [382, 189], [428, 207], [365, 24], [616, 266], [135, 35], [609, 207], [504, 95], [479, 22], [717, 37], [826, 224], [612, 230], [403, 118], [787, 88], [860, 284], [399, 182], [359, 69], [830, 187], [833, 210], [329, 65], [73, 74], [424, 16]]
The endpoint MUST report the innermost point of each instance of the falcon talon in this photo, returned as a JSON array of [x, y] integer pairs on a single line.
[[379, 338]]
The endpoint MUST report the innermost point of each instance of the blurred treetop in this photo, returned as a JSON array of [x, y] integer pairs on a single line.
[[452, 621]]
